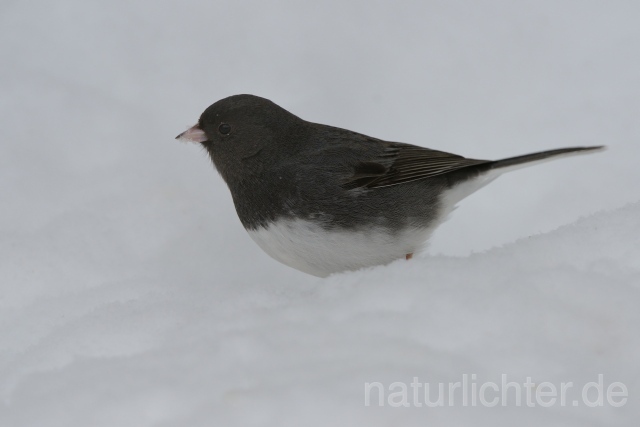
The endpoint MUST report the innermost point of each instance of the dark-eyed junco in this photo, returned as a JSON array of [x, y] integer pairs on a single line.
[[323, 199]]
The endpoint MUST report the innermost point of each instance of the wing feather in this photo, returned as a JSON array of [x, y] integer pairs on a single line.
[[402, 163]]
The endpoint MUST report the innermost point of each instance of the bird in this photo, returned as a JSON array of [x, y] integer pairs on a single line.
[[323, 199]]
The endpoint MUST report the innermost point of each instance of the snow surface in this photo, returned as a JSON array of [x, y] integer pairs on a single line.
[[130, 295]]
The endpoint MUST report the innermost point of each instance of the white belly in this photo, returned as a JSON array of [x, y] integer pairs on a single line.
[[308, 247]]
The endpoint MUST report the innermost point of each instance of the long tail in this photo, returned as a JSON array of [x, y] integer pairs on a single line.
[[518, 162], [471, 179]]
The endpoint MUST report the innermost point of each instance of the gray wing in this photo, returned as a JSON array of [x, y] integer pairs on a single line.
[[401, 163]]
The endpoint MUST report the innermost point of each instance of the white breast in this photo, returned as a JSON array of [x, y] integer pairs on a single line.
[[308, 247]]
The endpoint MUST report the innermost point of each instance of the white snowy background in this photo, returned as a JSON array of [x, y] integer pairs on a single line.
[[130, 294]]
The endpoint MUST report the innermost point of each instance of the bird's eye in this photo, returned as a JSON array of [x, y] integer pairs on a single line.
[[224, 129]]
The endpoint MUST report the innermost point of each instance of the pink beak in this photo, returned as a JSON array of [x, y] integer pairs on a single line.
[[193, 134]]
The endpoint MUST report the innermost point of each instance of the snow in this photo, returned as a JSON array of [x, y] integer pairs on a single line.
[[130, 295]]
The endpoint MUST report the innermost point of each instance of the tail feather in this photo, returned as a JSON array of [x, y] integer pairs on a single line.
[[466, 181], [534, 158]]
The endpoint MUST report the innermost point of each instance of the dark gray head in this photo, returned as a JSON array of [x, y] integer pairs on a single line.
[[250, 141], [237, 128]]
